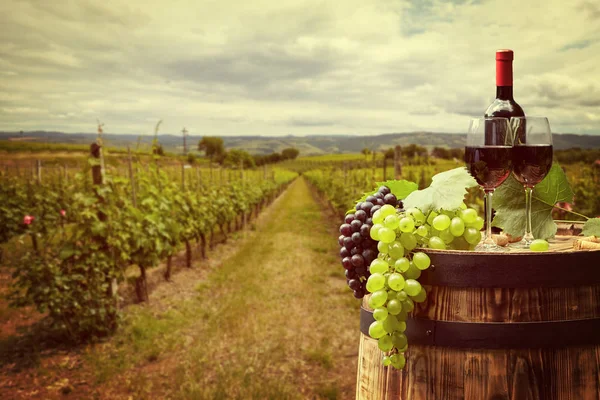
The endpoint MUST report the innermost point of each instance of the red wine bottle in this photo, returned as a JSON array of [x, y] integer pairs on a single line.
[[504, 105]]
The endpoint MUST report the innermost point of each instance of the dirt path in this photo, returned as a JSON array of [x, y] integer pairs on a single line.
[[272, 320]]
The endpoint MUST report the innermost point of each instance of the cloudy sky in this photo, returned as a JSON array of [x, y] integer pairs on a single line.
[[280, 67]]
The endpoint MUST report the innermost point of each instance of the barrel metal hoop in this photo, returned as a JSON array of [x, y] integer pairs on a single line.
[[496, 335], [512, 270]]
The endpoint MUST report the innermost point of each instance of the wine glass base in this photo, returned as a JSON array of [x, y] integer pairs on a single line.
[[490, 248], [523, 244]]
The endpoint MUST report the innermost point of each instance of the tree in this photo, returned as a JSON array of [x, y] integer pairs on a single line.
[[366, 152], [212, 146], [290, 153], [234, 157], [389, 154]]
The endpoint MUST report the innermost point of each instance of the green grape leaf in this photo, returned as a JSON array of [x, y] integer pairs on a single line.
[[509, 203], [447, 191], [401, 189], [591, 227]]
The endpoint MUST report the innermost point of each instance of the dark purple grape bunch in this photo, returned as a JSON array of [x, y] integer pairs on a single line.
[[357, 248]]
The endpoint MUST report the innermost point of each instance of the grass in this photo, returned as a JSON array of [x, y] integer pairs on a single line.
[[271, 322]]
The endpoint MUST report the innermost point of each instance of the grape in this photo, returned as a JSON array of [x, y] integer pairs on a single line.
[[436, 243], [391, 221], [361, 270], [369, 255], [348, 243], [402, 295], [472, 235], [386, 235], [422, 231], [417, 215], [375, 282], [446, 236], [359, 294], [408, 240], [356, 250], [344, 252], [469, 215], [354, 284], [349, 218], [401, 326], [412, 272], [441, 222], [478, 224], [385, 343], [383, 247], [378, 217], [380, 313], [358, 260], [378, 299], [379, 266], [392, 295], [390, 323], [360, 215], [350, 274], [460, 243], [355, 225], [376, 330], [412, 287], [408, 305], [395, 282], [341, 240], [386, 210], [364, 230], [384, 190], [457, 227], [386, 361], [356, 237], [421, 260], [375, 231], [402, 264], [539, 245], [366, 207], [390, 199], [346, 230], [396, 250], [371, 199], [407, 224], [431, 217], [394, 307], [347, 262], [398, 361], [420, 297]]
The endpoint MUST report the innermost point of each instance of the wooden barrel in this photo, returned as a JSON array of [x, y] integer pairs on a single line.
[[515, 325]]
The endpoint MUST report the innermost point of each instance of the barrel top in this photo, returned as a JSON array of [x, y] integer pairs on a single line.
[[561, 266]]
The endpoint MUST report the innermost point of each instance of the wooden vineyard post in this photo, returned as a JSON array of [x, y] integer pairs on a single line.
[[183, 175], [38, 171], [131, 177], [98, 180], [198, 177], [397, 162], [384, 167]]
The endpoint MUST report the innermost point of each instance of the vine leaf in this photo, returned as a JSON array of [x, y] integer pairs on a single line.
[[591, 227], [447, 191], [401, 188], [509, 203]]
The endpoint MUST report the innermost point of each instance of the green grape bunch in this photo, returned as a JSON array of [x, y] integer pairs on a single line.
[[393, 282]]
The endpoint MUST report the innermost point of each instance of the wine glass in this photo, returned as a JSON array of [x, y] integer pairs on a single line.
[[532, 159], [488, 156]]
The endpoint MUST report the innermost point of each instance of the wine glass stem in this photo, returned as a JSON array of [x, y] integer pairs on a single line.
[[488, 217], [528, 237]]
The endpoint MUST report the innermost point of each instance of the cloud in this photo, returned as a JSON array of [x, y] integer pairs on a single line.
[[306, 66]]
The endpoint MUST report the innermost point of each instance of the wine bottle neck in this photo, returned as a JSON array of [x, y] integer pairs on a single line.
[[504, 92]]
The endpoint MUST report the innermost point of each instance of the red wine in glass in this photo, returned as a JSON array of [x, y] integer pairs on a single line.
[[531, 163], [489, 165]]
